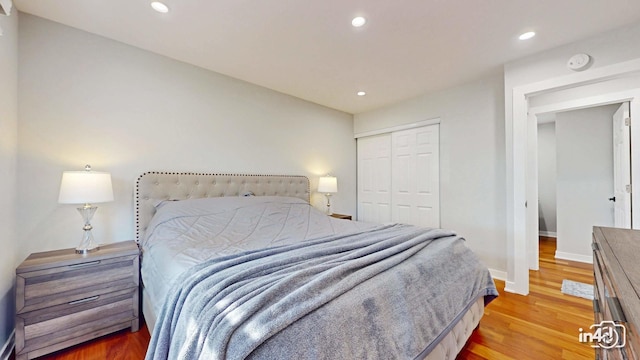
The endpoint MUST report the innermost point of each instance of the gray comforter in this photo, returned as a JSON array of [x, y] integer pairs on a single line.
[[381, 293]]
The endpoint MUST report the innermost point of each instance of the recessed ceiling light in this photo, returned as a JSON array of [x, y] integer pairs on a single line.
[[159, 7], [361, 93], [526, 36], [358, 21]]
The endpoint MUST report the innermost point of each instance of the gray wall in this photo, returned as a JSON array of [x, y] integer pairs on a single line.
[[472, 177], [585, 177], [606, 49], [87, 99], [547, 178], [8, 149]]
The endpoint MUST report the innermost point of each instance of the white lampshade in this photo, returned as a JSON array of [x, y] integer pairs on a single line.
[[328, 184], [85, 187]]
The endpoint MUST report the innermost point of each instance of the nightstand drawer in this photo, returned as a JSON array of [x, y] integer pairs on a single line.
[[64, 284], [57, 324]]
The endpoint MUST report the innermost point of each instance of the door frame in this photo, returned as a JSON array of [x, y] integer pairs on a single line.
[[534, 112], [522, 146], [398, 128]]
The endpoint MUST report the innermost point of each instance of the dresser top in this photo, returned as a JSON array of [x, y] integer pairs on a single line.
[[625, 248], [620, 249], [64, 257]]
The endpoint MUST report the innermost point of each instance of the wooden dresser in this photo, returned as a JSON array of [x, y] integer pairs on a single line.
[[616, 267], [63, 298]]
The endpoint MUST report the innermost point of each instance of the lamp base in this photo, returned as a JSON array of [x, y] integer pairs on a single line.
[[328, 195], [87, 244], [86, 251]]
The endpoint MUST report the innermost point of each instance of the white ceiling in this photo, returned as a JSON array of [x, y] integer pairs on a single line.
[[309, 49]]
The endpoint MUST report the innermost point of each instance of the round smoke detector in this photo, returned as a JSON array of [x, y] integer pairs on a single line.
[[579, 62]]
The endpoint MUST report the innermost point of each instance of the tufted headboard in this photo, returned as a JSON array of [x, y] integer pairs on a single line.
[[153, 187]]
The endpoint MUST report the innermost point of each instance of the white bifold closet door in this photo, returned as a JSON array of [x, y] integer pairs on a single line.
[[399, 177], [374, 178]]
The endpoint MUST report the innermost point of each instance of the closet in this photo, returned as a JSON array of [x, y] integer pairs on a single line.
[[399, 177]]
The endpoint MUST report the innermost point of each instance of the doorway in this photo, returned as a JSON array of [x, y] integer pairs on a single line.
[[519, 165], [576, 172]]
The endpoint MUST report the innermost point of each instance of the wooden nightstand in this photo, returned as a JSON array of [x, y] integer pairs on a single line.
[[341, 216], [63, 298]]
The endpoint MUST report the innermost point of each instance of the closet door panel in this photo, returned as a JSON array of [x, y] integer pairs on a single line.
[[402, 176], [399, 177], [415, 177], [427, 197], [374, 178]]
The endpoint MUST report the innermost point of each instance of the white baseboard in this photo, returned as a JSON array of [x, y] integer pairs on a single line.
[[7, 348], [510, 286], [552, 234], [498, 274], [574, 257]]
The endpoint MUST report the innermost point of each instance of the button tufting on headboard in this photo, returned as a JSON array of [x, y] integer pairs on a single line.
[[152, 187]]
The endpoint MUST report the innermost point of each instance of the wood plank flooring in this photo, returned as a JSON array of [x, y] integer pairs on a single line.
[[543, 325]]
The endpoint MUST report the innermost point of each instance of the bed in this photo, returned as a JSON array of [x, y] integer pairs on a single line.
[[242, 266]]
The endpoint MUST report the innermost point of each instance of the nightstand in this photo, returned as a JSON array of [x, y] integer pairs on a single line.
[[63, 298], [341, 216]]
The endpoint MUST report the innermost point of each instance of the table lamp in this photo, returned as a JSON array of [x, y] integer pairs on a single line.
[[328, 185], [86, 187]]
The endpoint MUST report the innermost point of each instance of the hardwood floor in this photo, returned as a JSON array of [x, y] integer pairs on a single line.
[[122, 345], [543, 325]]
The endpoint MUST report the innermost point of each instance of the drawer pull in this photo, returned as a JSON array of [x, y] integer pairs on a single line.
[[91, 263], [596, 306], [85, 300], [616, 310], [595, 246]]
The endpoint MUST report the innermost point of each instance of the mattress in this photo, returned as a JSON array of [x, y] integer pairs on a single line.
[[185, 233], [189, 232]]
